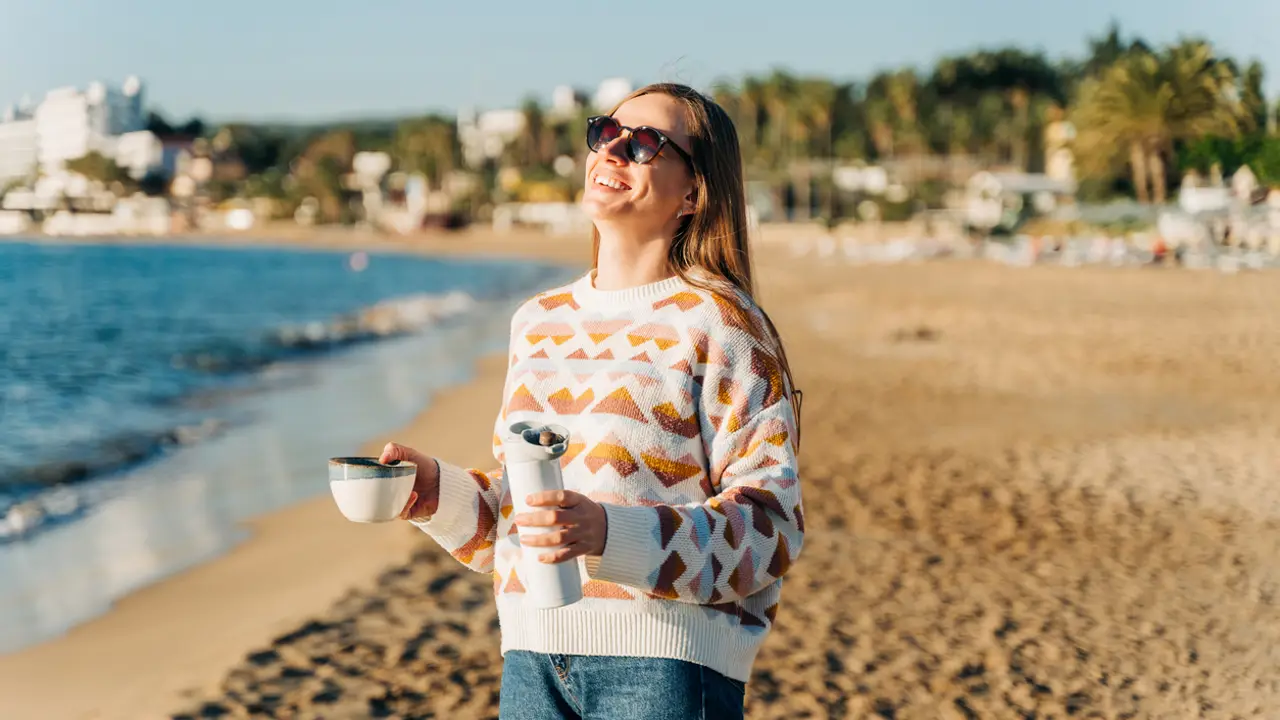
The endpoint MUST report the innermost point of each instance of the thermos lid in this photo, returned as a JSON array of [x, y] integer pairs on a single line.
[[524, 442]]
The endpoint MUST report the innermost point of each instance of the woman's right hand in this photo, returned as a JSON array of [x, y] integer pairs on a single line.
[[425, 497]]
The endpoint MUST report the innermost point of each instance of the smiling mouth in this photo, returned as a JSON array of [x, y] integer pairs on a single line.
[[611, 183]]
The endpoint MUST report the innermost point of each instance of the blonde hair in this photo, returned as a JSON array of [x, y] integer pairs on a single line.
[[710, 248]]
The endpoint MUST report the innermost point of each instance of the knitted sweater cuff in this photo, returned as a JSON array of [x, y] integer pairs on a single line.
[[455, 516], [628, 557]]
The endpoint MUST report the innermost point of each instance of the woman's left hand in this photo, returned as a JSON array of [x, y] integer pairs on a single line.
[[580, 520]]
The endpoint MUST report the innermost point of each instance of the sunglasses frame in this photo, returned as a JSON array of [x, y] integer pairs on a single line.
[[629, 133]]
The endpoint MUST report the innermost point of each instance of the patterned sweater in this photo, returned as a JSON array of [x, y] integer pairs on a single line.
[[683, 429]]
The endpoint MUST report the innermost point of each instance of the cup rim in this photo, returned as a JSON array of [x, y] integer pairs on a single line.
[[367, 462], [368, 468]]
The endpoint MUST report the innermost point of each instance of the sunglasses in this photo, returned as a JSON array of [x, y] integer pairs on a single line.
[[643, 144]]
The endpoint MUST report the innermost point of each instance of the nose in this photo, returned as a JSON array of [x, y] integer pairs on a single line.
[[615, 152]]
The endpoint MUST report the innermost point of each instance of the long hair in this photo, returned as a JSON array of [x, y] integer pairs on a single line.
[[710, 249]]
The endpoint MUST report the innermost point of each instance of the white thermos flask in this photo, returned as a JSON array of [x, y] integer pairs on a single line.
[[530, 467]]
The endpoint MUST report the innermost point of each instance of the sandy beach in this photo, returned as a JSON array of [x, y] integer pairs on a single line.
[[1040, 492]]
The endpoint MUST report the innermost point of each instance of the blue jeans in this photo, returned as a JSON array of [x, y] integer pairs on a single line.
[[537, 686]]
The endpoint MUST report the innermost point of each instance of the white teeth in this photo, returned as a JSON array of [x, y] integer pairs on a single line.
[[610, 182]]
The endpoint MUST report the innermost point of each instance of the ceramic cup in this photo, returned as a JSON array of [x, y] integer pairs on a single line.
[[367, 491]]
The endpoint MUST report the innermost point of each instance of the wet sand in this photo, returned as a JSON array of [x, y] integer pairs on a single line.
[[1039, 492]]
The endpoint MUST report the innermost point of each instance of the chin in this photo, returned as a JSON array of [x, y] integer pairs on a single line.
[[596, 210]]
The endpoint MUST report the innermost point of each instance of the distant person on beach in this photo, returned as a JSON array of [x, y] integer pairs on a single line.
[[682, 501]]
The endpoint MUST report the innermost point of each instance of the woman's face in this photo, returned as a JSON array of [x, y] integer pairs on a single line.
[[621, 192]]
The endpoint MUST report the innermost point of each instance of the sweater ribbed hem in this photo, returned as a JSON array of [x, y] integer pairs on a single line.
[[586, 294], [630, 628], [454, 519]]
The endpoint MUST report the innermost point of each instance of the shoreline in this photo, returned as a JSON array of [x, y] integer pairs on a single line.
[[294, 562], [412, 290], [480, 241]]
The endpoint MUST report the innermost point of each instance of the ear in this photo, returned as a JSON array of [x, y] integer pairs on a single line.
[[688, 204]]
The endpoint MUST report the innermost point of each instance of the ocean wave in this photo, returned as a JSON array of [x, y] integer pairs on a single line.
[[42, 494], [384, 320]]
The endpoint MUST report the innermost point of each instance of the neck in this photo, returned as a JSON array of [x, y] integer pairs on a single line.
[[626, 260]]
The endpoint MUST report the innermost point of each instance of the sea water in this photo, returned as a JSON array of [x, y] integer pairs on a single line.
[[136, 381]]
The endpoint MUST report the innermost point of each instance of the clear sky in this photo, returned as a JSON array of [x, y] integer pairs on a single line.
[[323, 59]]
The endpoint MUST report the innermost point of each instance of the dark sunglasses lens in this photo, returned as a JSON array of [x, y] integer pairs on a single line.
[[601, 131], [645, 145]]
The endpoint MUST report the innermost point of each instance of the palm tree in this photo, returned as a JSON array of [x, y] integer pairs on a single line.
[[1006, 88], [1144, 103], [902, 91], [892, 107], [849, 123], [1205, 100], [1255, 113], [428, 145], [778, 93], [536, 143], [751, 102], [815, 100], [1124, 109]]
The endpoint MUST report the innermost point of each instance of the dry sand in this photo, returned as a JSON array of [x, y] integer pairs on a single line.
[[1030, 493]]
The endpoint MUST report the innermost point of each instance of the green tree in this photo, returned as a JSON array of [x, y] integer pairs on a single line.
[[319, 172], [1146, 103], [154, 183], [893, 114], [1266, 162], [96, 166], [994, 103], [195, 127], [258, 147], [157, 124], [536, 145], [777, 94], [1253, 99], [428, 145]]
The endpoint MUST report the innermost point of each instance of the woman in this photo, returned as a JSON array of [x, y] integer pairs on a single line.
[[682, 500]]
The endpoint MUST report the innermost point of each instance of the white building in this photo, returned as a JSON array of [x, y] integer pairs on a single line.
[[138, 152], [610, 93], [484, 136], [564, 102], [1060, 160], [993, 199], [71, 123], [18, 149]]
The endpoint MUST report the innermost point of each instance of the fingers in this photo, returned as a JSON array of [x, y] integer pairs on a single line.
[[567, 552], [554, 498], [407, 512], [546, 518], [393, 453], [554, 538]]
